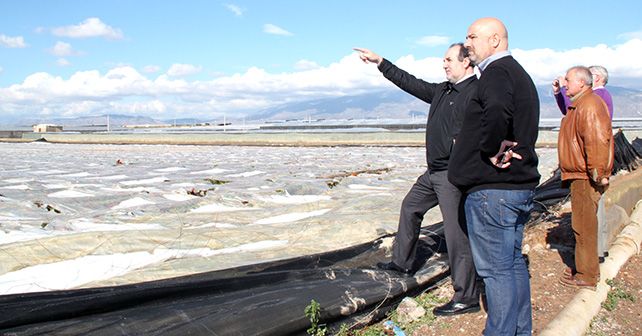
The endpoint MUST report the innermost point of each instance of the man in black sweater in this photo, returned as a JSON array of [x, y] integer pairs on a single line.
[[447, 102], [495, 165]]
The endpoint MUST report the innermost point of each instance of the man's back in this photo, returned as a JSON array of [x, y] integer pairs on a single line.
[[506, 107]]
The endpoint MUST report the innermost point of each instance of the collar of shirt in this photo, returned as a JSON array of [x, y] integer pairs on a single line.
[[482, 66], [464, 78], [598, 87], [577, 96]]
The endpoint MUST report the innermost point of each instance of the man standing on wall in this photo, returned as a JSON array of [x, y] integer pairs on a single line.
[[447, 102]]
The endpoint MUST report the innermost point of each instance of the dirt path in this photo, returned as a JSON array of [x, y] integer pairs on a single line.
[[549, 246]]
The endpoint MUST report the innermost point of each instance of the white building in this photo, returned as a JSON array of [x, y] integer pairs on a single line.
[[42, 128]]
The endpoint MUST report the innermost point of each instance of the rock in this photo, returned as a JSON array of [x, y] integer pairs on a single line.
[[409, 310]]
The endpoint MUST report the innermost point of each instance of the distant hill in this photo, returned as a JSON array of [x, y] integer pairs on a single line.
[[389, 104], [115, 120], [396, 104]]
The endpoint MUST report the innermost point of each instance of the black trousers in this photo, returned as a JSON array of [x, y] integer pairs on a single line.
[[427, 192]]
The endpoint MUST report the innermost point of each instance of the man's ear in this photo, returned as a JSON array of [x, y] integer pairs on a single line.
[[466, 62], [495, 40]]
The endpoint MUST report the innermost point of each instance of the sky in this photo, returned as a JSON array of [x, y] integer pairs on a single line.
[[214, 59]]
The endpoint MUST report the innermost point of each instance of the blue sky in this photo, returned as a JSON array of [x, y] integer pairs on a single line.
[[206, 59]]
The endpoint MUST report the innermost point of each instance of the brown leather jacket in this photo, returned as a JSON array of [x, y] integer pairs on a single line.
[[585, 142]]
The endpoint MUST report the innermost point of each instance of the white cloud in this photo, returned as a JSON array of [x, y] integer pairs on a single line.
[[1, 69], [17, 42], [215, 73], [91, 27], [62, 62], [151, 69], [305, 65], [128, 91], [180, 70], [238, 11], [272, 29], [62, 49], [631, 35], [544, 64], [433, 41]]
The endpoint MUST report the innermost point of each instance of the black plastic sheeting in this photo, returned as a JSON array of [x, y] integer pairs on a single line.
[[626, 153], [262, 299]]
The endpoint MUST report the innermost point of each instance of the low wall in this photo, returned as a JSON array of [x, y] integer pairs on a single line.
[[242, 139]]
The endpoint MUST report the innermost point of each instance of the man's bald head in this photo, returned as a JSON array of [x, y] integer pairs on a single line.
[[485, 38]]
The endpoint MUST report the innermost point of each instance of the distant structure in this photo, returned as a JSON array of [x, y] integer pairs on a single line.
[[42, 128]]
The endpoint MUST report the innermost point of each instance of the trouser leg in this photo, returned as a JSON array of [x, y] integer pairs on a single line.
[[496, 220], [460, 258], [418, 201], [602, 231], [584, 201]]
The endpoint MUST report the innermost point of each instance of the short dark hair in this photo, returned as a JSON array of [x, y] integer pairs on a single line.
[[463, 52]]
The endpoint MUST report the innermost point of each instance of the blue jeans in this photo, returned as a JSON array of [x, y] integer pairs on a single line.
[[496, 221]]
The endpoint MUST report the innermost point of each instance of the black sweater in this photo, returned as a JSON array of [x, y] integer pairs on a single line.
[[505, 107], [446, 110]]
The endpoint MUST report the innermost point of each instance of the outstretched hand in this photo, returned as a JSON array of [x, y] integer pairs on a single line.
[[368, 56], [502, 158]]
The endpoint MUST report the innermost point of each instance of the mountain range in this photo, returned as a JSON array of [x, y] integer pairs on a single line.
[[388, 104]]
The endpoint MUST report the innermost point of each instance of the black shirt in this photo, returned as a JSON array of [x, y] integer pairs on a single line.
[[447, 106]]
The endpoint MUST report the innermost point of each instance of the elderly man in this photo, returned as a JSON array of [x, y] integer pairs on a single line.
[[494, 163], [585, 149], [600, 79], [447, 103]]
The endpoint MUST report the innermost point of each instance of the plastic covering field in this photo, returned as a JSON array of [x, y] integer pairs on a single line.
[[220, 240]]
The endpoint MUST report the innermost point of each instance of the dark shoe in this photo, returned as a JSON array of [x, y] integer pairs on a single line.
[[391, 266], [603, 257], [456, 308], [575, 282]]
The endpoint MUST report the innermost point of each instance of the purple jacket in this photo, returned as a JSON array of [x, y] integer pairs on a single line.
[[563, 101]]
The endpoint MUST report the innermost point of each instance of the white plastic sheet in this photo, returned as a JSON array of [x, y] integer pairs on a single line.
[[77, 215]]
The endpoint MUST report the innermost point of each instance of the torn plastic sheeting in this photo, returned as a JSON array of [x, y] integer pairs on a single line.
[[250, 300]]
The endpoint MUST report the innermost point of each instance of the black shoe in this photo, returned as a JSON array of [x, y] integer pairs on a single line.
[[391, 266], [456, 308]]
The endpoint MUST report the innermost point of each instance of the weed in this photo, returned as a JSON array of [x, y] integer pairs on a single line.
[[216, 182], [426, 300], [332, 184], [591, 329], [615, 294], [334, 180], [46, 206], [313, 312]]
